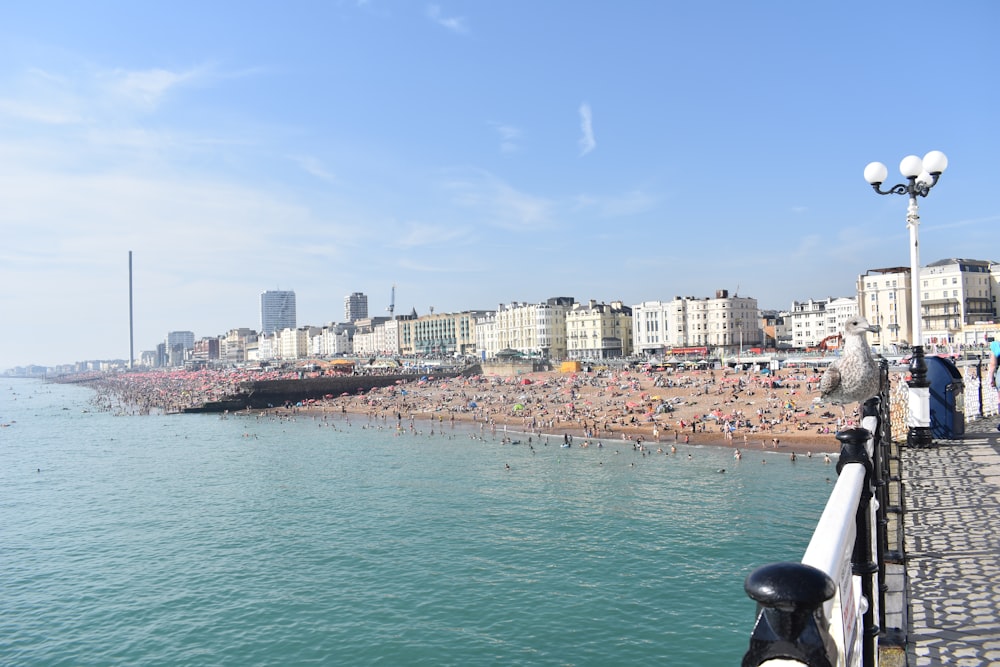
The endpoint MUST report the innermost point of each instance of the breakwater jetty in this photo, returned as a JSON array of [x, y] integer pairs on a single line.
[[260, 394]]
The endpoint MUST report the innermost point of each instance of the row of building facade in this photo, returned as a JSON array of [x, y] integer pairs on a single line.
[[958, 308]]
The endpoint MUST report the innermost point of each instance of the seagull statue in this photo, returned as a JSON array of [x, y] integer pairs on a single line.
[[853, 377]]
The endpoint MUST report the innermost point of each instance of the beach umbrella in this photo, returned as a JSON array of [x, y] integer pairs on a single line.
[[518, 406], [473, 404]]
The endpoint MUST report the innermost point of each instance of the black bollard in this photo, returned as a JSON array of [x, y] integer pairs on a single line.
[[790, 621]]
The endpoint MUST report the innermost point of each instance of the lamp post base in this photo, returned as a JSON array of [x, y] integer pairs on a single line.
[[919, 436], [919, 423]]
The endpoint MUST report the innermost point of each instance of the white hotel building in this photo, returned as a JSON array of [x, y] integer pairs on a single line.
[[534, 330], [726, 322]]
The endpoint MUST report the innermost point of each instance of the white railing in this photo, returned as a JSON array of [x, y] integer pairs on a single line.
[[824, 610]]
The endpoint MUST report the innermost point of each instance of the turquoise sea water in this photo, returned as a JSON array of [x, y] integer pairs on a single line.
[[197, 540]]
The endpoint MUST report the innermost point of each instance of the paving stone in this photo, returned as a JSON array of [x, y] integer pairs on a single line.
[[952, 547]]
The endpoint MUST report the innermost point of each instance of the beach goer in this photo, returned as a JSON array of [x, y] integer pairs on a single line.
[[994, 346]]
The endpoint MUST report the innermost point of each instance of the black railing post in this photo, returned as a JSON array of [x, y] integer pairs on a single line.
[[979, 374], [878, 407], [790, 622], [854, 450]]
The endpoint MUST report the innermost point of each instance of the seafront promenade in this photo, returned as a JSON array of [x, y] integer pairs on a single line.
[[952, 542]]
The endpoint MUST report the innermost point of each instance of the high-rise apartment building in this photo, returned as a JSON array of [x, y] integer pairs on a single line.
[[277, 311], [175, 347], [355, 307]]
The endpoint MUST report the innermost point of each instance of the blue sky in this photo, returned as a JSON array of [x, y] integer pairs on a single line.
[[471, 153]]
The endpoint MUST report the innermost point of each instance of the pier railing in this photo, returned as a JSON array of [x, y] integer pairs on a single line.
[[829, 609]]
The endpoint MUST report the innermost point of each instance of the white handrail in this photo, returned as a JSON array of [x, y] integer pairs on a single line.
[[833, 539]]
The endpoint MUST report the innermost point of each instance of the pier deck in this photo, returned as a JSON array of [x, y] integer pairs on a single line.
[[952, 538]]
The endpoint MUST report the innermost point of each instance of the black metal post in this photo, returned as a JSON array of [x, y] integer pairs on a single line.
[[790, 622], [854, 450], [872, 408], [979, 374]]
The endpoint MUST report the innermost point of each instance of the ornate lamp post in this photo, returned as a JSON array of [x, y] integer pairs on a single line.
[[921, 176]]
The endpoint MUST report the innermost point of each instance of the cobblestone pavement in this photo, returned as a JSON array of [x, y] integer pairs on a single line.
[[952, 537]]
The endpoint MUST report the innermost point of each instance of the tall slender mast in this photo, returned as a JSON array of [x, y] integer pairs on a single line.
[[131, 334]]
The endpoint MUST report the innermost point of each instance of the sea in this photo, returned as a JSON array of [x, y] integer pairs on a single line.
[[336, 540]]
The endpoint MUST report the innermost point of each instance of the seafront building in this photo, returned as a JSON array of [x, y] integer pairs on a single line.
[[205, 351], [333, 340], [175, 347], [958, 298], [955, 293], [529, 329], [355, 307], [884, 298], [277, 311], [294, 343], [369, 336], [958, 303], [598, 331], [817, 320], [775, 330], [439, 334], [233, 345], [726, 323], [651, 327]]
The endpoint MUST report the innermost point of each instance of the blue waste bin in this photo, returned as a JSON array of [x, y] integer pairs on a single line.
[[947, 398]]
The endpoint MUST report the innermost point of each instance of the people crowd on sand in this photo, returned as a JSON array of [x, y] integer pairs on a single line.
[[723, 407]]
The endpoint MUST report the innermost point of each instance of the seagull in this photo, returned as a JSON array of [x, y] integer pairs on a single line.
[[855, 376]]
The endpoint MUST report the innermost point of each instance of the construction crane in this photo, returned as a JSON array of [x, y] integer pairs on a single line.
[[392, 303]]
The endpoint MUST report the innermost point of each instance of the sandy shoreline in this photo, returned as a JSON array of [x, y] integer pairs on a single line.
[[749, 411], [744, 411]]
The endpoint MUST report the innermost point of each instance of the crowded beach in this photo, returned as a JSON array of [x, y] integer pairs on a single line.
[[741, 410]]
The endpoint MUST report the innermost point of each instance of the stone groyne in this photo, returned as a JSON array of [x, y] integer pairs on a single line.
[[260, 394]]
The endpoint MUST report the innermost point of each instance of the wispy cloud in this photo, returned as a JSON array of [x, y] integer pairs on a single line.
[[508, 137], [418, 234], [146, 88], [37, 113], [312, 166], [497, 203], [38, 96], [91, 97], [587, 142], [633, 202], [989, 220], [453, 23]]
